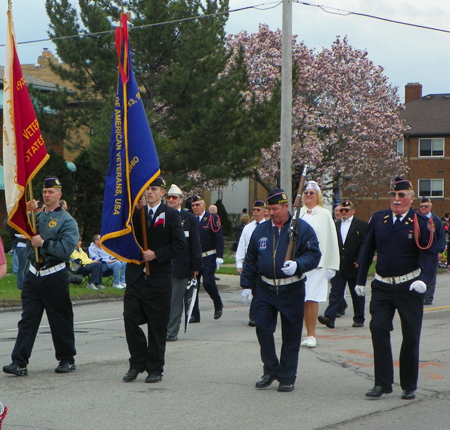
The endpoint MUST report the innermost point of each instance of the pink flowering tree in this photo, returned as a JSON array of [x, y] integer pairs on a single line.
[[345, 113]]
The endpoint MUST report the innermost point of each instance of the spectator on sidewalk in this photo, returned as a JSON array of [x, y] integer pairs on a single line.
[[96, 252]]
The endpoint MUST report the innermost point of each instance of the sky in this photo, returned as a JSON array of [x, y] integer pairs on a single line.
[[407, 54]]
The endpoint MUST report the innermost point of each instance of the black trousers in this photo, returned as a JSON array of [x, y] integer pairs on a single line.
[[209, 284], [290, 306], [145, 304], [336, 297], [386, 299], [52, 294]]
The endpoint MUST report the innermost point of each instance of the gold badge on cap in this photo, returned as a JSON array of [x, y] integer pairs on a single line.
[[284, 196]]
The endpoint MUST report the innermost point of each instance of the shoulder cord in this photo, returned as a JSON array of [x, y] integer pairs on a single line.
[[417, 232], [211, 224]]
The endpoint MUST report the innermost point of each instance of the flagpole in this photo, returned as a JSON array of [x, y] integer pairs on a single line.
[[33, 221], [144, 237]]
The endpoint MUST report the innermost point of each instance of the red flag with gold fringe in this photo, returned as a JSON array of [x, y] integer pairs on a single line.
[[24, 152]]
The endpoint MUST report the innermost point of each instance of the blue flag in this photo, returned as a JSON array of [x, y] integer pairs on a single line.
[[133, 163]]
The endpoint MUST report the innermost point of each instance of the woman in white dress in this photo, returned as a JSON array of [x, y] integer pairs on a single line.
[[316, 287]]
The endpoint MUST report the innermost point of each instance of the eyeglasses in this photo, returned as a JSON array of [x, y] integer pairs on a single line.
[[394, 194], [424, 206], [309, 192], [257, 209], [196, 204], [344, 210], [172, 197]]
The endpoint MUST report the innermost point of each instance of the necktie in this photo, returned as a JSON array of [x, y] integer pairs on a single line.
[[149, 217], [199, 219], [397, 221]]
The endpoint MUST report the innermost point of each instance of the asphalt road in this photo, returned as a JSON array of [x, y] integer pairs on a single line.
[[210, 374]]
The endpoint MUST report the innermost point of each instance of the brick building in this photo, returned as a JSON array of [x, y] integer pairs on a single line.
[[426, 148]]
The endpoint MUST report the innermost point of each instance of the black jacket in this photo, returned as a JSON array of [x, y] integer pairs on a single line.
[[165, 237]]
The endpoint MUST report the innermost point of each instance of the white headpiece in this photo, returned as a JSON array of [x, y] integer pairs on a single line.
[[312, 185], [175, 190]]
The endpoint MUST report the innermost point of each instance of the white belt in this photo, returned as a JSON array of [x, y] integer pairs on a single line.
[[282, 281], [398, 279], [211, 252], [48, 271]]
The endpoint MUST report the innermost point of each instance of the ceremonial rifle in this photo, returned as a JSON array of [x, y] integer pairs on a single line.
[[295, 217]]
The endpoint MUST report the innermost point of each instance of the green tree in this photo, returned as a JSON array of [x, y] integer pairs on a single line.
[[201, 119]]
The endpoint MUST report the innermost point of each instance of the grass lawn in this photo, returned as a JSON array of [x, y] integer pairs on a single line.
[[10, 294]]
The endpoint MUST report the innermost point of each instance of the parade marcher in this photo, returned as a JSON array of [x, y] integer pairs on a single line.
[[211, 239], [406, 260], [147, 296], [96, 252], [46, 285], [186, 266], [351, 233], [281, 288], [337, 213], [259, 210], [441, 238], [316, 286], [89, 266]]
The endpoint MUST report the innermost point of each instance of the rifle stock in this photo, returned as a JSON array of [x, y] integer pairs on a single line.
[[295, 217]]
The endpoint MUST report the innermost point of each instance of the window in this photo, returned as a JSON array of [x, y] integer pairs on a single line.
[[400, 148], [431, 187], [431, 147]]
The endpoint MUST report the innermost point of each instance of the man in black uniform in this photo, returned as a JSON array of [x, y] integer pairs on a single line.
[[439, 235], [406, 260], [211, 239], [280, 288], [147, 297], [46, 285], [351, 233]]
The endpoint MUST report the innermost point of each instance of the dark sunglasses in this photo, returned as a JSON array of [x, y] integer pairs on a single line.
[[394, 194], [424, 206], [196, 204], [344, 210], [309, 192], [172, 197]]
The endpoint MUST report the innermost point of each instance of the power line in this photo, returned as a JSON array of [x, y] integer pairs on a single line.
[[261, 6], [343, 12]]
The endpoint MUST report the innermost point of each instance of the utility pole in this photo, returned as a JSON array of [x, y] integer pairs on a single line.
[[286, 101]]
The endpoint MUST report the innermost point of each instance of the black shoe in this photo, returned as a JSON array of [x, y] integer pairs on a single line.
[[65, 367], [285, 387], [326, 321], [378, 390], [427, 302], [252, 323], [15, 369], [408, 395], [217, 314], [265, 381], [131, 375], [358, 324], [194, 320], [216, 278], [153, 377], [171, 338]]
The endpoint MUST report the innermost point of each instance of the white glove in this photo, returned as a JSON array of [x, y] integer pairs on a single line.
[[289, 267], [247, 296], [418, 286], [331, 273], [359, 290], [219, 262]]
